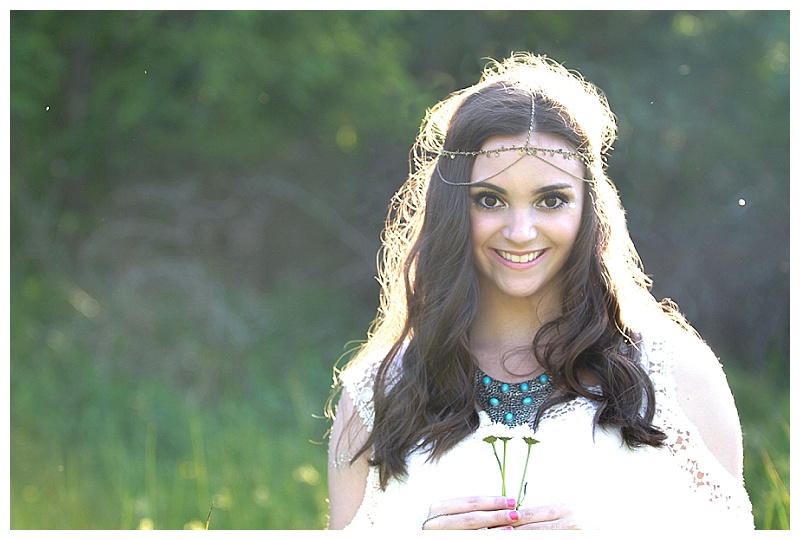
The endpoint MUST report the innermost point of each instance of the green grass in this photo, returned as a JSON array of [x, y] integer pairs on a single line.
[[168, 477], [98, 445], [105, 437], [763, 403]]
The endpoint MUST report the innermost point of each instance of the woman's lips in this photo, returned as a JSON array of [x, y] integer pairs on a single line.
[[519, 257]]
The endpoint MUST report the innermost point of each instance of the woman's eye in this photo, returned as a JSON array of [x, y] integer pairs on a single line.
[[489, 201], [553, 201]]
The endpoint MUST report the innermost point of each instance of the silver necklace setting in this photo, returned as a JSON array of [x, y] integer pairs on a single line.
[[512, 404]]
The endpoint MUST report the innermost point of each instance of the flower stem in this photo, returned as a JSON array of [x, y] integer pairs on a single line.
[[503, 469], [524, 473], [500, 465]]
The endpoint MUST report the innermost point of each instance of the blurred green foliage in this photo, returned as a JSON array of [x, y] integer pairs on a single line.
[[196, 202], [97, 446]]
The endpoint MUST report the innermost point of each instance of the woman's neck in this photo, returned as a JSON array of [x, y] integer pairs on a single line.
[[502, 334]]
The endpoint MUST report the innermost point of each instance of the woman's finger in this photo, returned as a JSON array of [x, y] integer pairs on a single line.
[[479, 519], [548, 517], [471, 504]]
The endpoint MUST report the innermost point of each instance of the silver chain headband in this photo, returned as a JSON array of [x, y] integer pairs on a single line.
[[524, 150]]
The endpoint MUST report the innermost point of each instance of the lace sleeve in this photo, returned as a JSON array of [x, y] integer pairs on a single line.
[[705, 475], [359, 380]]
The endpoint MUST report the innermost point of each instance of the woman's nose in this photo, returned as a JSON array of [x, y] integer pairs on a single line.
[[521, 227]]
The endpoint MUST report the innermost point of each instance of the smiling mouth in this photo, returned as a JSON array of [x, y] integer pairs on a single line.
[[524, 258]]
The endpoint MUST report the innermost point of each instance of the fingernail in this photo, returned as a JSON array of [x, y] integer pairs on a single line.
[[511, 503], [509, 528], [513, 515]]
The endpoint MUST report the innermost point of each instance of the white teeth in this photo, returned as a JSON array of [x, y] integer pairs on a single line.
[[519, 258]]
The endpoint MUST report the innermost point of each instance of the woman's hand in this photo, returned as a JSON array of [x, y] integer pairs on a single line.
[[470, 513], [547, 517]]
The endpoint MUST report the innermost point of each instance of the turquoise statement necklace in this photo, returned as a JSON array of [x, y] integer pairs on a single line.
[[512, 404]]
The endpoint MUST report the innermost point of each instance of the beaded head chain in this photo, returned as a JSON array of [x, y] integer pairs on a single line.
[[525, 150]]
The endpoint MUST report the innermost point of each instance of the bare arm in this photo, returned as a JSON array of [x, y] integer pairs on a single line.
[[346, 482], [705, 397]]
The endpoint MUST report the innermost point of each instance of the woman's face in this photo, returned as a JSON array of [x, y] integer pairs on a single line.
[[524, 220]]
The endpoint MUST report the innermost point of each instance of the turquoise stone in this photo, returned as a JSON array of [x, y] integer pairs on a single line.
[[511, 404]]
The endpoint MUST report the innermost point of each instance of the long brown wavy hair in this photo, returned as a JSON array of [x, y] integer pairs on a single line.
[[429, 286]]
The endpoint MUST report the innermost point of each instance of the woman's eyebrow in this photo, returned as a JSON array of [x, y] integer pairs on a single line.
[[503, 191], [485, 184]]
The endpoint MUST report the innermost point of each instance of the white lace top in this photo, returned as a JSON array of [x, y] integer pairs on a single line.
[[681, 486]]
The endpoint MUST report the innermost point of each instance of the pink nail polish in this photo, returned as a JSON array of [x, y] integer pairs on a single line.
[[511, 503], [513, 515], [509, 528]]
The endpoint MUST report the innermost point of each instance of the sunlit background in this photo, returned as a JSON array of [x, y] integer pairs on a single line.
[[196, 202]]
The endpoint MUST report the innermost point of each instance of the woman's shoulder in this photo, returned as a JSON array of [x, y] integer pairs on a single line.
[[672, 348], [364, 366], [691, 377], [664, 336], [358, 378]]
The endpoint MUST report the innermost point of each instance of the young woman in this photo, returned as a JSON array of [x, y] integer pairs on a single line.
[[519, 373]]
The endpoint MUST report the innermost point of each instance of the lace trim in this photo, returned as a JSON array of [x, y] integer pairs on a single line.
[[567, 408], [340, 459], [371, 495], [711, 481], [358, 382]]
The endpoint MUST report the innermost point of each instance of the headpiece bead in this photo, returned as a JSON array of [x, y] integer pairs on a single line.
[[523, 150]]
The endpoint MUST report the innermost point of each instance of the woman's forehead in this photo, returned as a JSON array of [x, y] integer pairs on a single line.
[[548, 156]]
